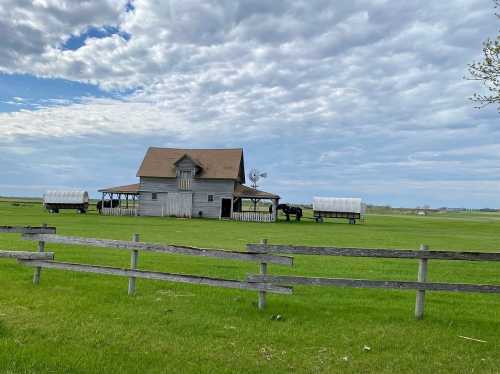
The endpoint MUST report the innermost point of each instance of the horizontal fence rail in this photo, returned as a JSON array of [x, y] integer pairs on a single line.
[[27, 230], [374, 253], [24, 255], [179, 278], [367, 283], [164, 248]]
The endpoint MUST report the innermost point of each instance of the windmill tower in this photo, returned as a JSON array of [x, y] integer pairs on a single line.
[[255, 175]]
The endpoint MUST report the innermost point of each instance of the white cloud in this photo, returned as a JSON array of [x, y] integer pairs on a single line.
[[353, 89], [91, 117]]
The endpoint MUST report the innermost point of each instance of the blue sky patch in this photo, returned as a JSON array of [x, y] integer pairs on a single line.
[[77, 41], [129, 7], [22, 91]]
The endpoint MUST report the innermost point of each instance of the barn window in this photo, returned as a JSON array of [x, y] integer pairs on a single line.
[[154, 196], [184, 179], [210, 197]]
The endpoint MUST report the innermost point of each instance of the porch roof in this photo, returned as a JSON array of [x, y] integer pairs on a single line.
[[130, 189], [251, 193]]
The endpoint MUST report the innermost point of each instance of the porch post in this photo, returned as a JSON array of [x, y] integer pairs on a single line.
[[102, 202], [275, 209]]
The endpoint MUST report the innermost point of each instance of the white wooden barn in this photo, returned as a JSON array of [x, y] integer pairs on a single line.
[[189, 183]]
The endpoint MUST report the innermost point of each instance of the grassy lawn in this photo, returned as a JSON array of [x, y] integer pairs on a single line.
[[86, 323]]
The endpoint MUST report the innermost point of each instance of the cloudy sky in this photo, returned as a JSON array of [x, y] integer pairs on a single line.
[[332, 98]]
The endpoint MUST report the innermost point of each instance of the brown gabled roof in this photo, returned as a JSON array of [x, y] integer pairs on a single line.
[[243, 191], [129, 188], [215, 163], [186, 156]]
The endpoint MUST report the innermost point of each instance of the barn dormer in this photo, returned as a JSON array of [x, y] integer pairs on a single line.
[[186, 169]]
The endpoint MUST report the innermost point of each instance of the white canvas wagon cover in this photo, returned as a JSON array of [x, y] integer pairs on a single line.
[[338, 204], [66, 197]]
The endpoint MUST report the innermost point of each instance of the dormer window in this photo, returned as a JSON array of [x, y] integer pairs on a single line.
[[184, 178], [187, 168]]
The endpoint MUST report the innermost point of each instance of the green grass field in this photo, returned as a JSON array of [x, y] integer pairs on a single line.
[[86, 323]]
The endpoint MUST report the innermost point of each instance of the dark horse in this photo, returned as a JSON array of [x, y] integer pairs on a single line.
[[287, 209], [107, 204]]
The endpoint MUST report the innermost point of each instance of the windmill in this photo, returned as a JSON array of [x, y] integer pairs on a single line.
[[254, 175]]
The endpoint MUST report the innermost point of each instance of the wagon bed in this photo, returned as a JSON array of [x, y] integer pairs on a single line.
[[332, 207]]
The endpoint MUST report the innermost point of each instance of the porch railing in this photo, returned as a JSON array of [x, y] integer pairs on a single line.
[[119, 211], [251, 216]]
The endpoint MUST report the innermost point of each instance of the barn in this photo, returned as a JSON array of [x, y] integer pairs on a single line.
[[190, 183]]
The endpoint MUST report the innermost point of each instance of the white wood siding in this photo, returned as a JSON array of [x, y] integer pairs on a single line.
[[178, 204], [148, 185], [200, 189], [220, 189]]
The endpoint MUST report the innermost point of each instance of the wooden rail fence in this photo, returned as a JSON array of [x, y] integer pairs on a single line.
[[262, 253], [44, 229], [421, 285], [135, 246], [42, 259]]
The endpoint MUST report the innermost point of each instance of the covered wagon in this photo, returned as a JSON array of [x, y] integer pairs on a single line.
[[335, 207], [55, 200]]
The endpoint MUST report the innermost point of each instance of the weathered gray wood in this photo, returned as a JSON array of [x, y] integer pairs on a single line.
[[200, 188], [27, 255], [374, 252], [181, 278], [41, 249], [263, 271], [422, 278], [164, 248], [27, 230], [133, 265], [367, 283]]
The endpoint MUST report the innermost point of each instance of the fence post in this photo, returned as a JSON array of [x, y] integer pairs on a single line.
[[38, 270], [422, 277], [263, 271], [133, 265]]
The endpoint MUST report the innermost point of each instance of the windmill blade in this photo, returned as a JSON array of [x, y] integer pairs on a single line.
[[253, 175], [263, 175]]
